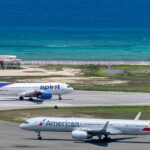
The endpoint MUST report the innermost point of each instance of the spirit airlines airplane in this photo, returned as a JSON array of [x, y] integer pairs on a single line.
[[83, 128], [41, 91]]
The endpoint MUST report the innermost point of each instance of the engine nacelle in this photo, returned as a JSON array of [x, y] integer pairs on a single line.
[[81, 135], [45, 96]]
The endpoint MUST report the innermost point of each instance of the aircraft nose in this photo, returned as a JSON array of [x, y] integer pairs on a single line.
[[71, 89], [22, 126]]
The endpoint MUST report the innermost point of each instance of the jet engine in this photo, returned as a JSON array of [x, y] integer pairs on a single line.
[[45, 96], [81, 135]]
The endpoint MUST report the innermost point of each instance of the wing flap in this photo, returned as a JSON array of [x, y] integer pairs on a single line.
[[97, 131], [114, 131]]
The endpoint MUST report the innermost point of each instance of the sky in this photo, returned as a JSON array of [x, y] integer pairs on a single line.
[[75, 13]]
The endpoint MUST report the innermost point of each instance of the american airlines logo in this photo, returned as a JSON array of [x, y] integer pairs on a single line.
[[41, 123], [62, 124], [50, 87]]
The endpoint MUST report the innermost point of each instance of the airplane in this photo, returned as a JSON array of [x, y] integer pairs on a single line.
[[43, 91], [87, 128]]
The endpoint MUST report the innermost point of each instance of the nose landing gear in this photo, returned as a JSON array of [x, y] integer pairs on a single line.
[[59, 96], [39, 136]]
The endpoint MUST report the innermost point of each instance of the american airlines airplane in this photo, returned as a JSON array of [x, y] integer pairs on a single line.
[[42, 91], [85, 128]]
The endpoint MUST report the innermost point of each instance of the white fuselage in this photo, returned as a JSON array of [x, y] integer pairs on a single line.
[[21, 88], [128, 127]]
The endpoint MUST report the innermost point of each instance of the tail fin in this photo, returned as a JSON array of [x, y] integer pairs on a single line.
[[137, 116], [2, 84]]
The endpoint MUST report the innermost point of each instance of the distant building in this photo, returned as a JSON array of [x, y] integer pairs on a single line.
[[9, 62]]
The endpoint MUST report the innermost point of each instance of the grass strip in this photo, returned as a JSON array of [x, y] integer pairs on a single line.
[[116, 112]]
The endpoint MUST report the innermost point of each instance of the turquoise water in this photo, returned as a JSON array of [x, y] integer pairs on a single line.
[[76, 44]]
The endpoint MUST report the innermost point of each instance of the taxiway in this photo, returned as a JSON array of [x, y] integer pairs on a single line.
[[12, 137], [80, 98]]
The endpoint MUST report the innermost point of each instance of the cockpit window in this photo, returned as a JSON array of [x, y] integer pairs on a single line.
[[26, 122], [68, 86]]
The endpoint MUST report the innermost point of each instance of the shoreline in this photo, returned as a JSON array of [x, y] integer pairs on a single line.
[[68, 62]]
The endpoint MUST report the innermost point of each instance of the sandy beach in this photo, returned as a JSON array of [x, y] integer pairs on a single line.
[[34, 72]]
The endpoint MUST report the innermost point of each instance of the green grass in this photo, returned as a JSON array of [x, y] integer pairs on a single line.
[[131, 67], [95, 70], [137, 82], [87, 70], [133, 84], [101, 74], [116, 112], [116, 88], [134, 74]]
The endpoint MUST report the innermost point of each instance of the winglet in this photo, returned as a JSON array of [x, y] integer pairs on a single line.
[[137, 116], [105, 126]]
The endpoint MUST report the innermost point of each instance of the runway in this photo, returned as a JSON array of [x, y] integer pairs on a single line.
[[13, 138], [80, 98]]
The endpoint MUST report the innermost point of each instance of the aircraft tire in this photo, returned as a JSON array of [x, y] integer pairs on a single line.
[[39, 138], [21, 98], [30, 99], [108, 139]]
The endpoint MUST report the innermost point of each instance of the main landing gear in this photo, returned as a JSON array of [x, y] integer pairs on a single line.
[[30, 99], [105, 139], [21, 98], [59, 96], [39, 136]]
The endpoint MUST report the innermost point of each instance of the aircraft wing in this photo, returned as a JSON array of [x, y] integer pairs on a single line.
[[96, 131], [104, 130], [114, 131], [38, 94], [34, 93]]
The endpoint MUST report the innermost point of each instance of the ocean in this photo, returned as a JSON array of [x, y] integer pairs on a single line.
[[75, 44], [75, 29]]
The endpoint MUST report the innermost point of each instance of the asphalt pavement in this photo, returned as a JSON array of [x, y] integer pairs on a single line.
[[13, 138], [80, 98]]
